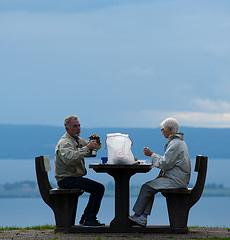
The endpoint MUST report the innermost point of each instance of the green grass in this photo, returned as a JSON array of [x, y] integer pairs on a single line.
[[207, 227], [213, 238], [39, 227]]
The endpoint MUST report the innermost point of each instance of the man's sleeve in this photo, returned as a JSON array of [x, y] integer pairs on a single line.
[[70, 155]]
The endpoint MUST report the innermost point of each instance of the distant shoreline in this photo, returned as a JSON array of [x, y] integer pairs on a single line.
[[29, 189]]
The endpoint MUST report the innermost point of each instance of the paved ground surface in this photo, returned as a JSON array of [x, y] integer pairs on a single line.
[[196, 233]]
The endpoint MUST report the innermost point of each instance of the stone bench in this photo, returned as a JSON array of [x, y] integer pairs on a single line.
[[179, 201], [63, 202]]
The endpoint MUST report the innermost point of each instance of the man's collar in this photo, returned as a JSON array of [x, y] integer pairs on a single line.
[[73, 138]]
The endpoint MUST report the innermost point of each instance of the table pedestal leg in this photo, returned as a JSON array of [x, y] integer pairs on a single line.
[[121, 220]]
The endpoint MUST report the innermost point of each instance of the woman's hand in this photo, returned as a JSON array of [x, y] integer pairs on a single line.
[[147, 152]]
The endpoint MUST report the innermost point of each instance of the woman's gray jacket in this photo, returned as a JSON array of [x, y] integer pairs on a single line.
[[174, 164]]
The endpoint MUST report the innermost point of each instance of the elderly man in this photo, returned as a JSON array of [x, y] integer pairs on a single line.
[[175, 170], [70, 168]]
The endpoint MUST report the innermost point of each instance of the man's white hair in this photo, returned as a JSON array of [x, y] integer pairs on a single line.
[[171, 124], [68, 118]]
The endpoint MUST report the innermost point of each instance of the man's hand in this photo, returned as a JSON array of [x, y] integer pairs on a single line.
[[95, 139], [93, 145], [147, 152]]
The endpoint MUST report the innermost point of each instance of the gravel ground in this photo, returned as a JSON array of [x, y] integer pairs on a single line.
[[196, 233]]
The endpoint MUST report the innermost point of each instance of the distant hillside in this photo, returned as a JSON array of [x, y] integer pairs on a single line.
[[28, 141]]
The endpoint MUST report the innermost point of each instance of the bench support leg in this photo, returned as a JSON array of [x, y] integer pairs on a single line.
[[178, 211], [65, 208]]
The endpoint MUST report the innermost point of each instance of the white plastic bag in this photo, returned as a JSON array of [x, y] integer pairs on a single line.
[[119, 149]]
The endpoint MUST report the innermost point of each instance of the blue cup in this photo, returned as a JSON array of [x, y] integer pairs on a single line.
[[104, 160]]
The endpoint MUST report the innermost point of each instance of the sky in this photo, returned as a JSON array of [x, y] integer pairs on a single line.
[[115, 63]]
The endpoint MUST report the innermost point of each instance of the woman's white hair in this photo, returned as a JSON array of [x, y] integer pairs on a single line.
[[171, 124]]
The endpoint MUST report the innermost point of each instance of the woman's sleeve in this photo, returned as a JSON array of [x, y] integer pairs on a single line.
[[168, 160]]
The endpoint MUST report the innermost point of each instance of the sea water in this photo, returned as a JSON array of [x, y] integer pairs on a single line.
[[209, 211]]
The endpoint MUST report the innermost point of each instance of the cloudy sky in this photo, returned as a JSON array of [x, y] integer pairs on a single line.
[[120, 63]]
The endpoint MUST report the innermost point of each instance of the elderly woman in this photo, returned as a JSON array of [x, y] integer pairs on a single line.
[[175, 170]]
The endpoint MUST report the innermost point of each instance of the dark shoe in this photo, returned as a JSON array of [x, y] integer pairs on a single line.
[[93, 223], [138, 220], [82, 220]]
